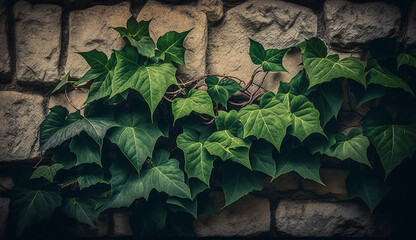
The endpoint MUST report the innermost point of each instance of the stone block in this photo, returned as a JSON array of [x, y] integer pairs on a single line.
[[7, 182], [284, 183], [249, 216], [275, 24], [334, 180], [410, 37], [92, 28], [20, 117], [214, 9], [77, 97], [306, 218], [349, 24], [38, 42], [4, 213], [121, 225], [4, 47], [86, 231], [180, 18]]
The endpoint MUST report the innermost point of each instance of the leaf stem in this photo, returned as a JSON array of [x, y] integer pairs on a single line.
[[68, 184]]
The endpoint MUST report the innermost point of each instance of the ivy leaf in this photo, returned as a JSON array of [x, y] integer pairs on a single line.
[[64, 156], [86, 149], [270, 60], [327, 98], [101, 86], [81, 211], [367, 185], [322, 68], [47, 172], [170, 47], [90, 176], [394, 140], [151, 81], [198, 162], [297, 86], [262, 159], [196, 187], [301, 162], [55, 120], [94, 126], [385, 78], [30, 206], [184, 205], [136, 137], [268, 120], [238, 181], [137, 33], [61, 84], [353, 146], [225, 143], [221, 91], [163, 174], [373, 91], [196, 100], [304, 116], [406, 59]]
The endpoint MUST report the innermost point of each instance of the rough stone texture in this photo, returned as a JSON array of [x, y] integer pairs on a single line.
[[92, 28], [77, 97], [348, 24], [285, 182], [85, 230], [20, 117], [38, 36], [410, 38], [247, 217], [7, 182], [324, 219], [4, 51], [4, 213], [180, 18], [214, 9], [121, 225], [275, 24], [334, 180]]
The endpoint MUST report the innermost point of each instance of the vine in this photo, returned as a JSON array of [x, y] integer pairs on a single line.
[[120, 149]]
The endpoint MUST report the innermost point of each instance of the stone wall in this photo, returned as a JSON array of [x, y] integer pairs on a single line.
[[38, 44]]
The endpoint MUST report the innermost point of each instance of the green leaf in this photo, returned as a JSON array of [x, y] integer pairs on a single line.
[[170, 47], [406, 59], [98, 62], [297, 86], [225, 143], [47, 172], [394, 140], [163, 174], [101, 86], [237, 181], [196, 187], [270, 60], [385, 78], [30, 206], [95, 127], [136, 137], [221, 91], [184, 205], [61, 84], [322, 68], [373, 91], [86, 149], [353, 146], [198, 162], [81, 211], [367, 185], [268, 120], [303, 114], [301, 162], [137, 33], [327, 98], [64, 156], [262, 159], [150, 81], [196, 100], [90, 176], [55, 120]]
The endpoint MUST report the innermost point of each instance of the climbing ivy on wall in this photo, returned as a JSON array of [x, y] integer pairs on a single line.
[[147, 141]]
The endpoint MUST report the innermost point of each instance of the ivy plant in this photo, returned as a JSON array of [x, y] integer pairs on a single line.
[[144, 141]]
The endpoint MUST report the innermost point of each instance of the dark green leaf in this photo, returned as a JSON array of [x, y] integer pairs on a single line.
[[196, 100], [98, 63], [170, 47], [221, 91], [297, 86], [261, 158], [64, 156], [270, 60], [52, 123], [406, 59], [47, 172], [184, 205], [86, 149], [81, 211], [373, 91], [61, 84]]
